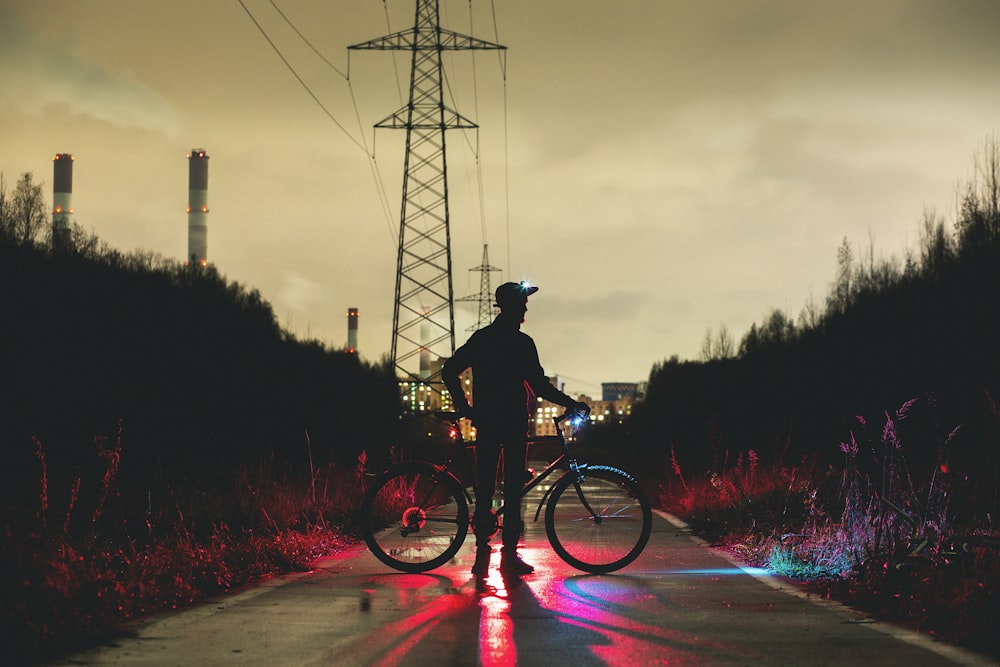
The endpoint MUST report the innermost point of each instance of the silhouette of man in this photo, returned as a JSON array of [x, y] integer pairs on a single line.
[[505, 366]]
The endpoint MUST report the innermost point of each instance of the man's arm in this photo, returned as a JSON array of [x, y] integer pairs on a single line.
[[546, 390], [542, 387], [450, 373]]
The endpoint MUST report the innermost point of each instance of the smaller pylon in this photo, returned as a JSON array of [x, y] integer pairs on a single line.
[[485, 296]]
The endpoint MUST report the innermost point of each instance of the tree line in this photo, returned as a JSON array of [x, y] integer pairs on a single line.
[[924, 326], [192, 368]]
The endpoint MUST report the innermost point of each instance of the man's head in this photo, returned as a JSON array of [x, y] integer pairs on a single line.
[[513, 297]]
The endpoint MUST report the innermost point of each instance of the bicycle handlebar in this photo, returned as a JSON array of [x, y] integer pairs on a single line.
[[570, 414], [452, 417]]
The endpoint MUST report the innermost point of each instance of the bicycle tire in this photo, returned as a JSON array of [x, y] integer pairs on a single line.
[[414, 517], [621, 530]]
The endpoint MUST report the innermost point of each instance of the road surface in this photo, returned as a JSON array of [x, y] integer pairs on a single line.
[[680, 603]]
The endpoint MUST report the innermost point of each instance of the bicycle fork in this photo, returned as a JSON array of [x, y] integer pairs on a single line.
[[574, 469]]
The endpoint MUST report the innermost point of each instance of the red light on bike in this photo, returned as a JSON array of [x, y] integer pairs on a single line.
[[453, 433]]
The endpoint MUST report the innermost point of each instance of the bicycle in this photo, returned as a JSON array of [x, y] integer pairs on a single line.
[[415, 516]]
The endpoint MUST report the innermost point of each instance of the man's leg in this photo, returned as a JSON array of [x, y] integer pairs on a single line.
[[515, 462], [487, 456]]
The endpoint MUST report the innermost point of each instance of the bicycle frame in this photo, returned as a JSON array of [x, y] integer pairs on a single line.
[[560, 437], [415, 516]]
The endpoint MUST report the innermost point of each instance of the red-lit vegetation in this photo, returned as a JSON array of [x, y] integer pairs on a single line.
[[88, 551], [869, 532]]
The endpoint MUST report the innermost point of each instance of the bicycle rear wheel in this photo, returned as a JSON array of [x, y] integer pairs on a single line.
[[414, 517], [607, 538]]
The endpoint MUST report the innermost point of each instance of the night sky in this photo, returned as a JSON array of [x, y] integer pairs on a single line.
[[658, 167]]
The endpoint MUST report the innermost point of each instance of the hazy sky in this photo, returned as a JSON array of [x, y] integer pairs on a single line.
[[658, 167]]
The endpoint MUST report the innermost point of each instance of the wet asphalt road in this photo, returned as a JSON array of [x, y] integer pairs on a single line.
[[679, 604]]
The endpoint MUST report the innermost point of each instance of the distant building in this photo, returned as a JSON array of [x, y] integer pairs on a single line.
[[426, 396], [617, 399], [611, 412], [541, 422], [617, 391]]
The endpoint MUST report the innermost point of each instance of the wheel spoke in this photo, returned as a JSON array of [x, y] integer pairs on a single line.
[[600, 524], [414, 519]]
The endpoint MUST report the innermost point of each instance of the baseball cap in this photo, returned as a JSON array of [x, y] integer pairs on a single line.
[[512, 293]]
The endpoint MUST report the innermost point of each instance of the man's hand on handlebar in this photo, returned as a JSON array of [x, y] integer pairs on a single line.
[[580, 408]]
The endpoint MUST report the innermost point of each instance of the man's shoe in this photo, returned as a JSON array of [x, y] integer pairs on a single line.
[[512, 564], [482, 564]]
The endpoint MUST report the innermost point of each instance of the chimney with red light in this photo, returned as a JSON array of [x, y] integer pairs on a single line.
[[197, 207], [425, 352], [62, 200], [352, 330]]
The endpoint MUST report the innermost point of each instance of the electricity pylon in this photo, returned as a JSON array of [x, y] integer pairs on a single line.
[[485, 296], [423, 319]]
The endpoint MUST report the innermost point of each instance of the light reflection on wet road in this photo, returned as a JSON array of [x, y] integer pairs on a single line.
[[678, 604]]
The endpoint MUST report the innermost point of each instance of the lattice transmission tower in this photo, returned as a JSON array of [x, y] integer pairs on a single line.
[[423, 320], [485, 297]]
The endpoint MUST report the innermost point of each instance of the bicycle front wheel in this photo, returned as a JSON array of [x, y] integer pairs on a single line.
[[414, 517], [600, 523]]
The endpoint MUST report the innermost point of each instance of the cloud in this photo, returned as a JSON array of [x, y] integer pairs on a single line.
[[298, 293], [41, 75]]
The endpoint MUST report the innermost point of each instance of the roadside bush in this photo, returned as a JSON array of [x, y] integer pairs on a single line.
[[868, 533]]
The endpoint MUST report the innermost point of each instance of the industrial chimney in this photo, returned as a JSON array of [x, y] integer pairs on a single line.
[[352, 330], [62, 200], [197, 207], [425, 352]]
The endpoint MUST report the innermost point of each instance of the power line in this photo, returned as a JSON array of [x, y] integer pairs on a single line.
[[299, 78], [363, 145], [502, 59], [479, 164], [307, 42]]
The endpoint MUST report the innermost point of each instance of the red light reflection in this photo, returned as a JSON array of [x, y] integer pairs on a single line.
[[496, 629], [613, 619], [395, 642]]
